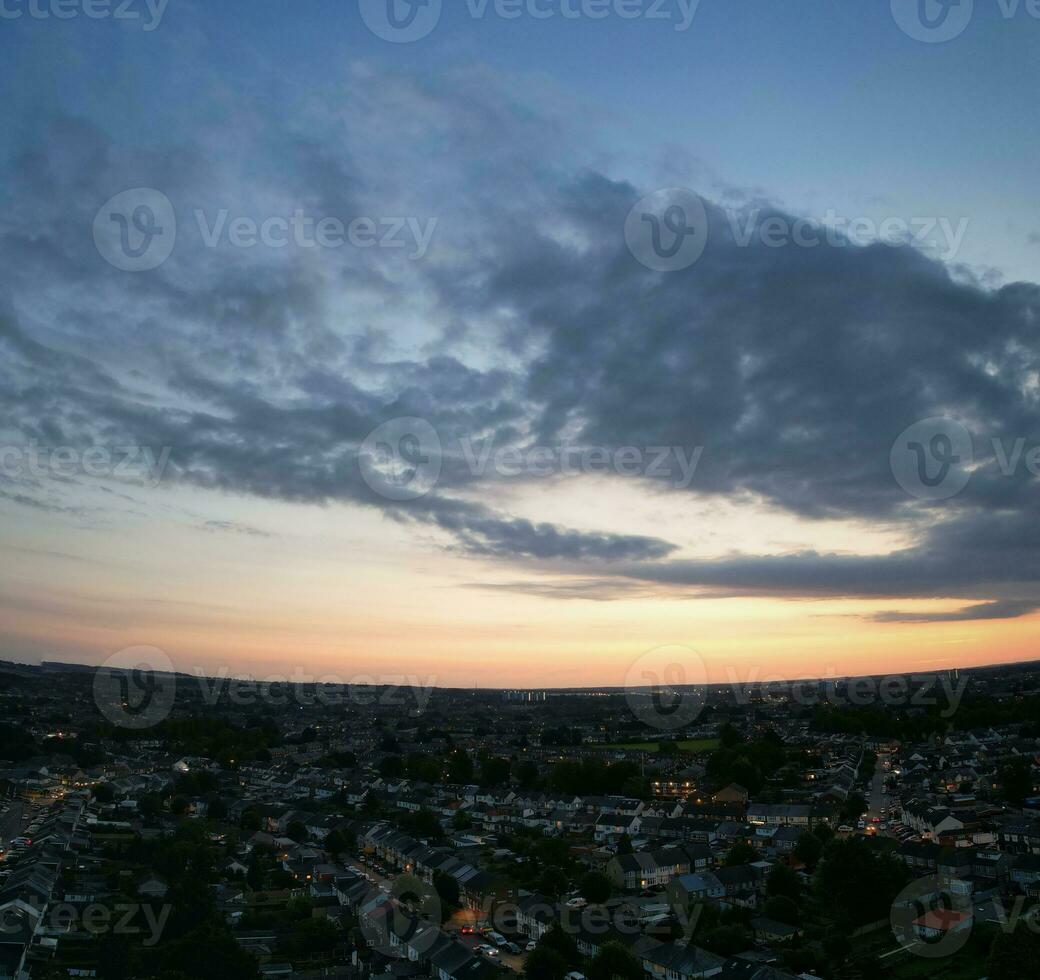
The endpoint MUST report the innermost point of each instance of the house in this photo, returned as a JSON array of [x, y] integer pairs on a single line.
[[535, 915], [687, 889], [645, 869], [674, 961], [768, 930], [733, 793], [779, 814]]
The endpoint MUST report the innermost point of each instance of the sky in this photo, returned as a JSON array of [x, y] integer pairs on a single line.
[[514, 352]]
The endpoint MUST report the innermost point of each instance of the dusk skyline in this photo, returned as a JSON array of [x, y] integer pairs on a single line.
[[321, 350]]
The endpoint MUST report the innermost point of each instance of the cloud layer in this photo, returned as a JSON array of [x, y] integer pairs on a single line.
[[528, 323]]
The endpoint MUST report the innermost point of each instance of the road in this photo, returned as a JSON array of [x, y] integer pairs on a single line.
[[879, 800], [11, 822]]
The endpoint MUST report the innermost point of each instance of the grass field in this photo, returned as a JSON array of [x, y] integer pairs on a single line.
[[687, 745]]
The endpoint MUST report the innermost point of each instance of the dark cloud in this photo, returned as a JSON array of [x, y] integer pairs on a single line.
[[795, 368]]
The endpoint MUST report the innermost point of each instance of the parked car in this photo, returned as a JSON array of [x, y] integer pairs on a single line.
[[513, 948], [531, 945], [497, 938]]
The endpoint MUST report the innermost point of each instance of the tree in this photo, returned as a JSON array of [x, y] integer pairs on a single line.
[[856, 885], [460, 767], [339, 841], [729, 736], [624, 844], [783, 909], [836, 947], [596, 887], [615, 962], [224, 959], [494, 772], [563, 943], [296, 831], [781, 880], [447, 888], [553, 882], [526, 773], [740, 853], [391, 767], [543, 963], [424, 767], [1011, 953], [854, 807], [808, 849], [727, 940], [824, 831], [422, 823], [1016, 781], [104, 793]]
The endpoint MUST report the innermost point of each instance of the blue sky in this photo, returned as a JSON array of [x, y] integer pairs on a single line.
[[819, 105]]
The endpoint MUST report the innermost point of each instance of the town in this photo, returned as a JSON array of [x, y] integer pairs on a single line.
[[788, 831]]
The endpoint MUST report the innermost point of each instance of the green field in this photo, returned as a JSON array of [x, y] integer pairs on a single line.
[[686, 745]]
